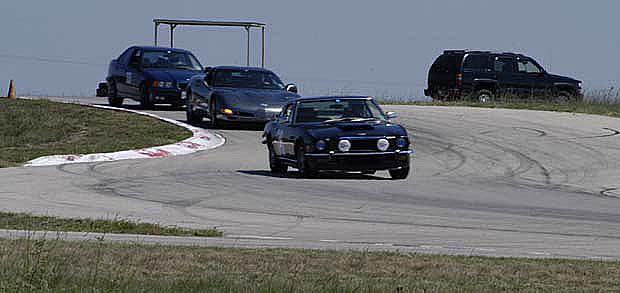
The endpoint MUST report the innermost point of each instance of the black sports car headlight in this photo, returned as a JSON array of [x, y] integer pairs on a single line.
[[344, 145], [383, 144], [401, 142], [320, 145]]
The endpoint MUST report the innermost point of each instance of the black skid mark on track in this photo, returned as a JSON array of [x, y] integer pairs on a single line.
[[444, 147], [540, 133], [611, 192], [613, 132]]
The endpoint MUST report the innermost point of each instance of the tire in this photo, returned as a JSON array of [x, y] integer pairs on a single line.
[[275, 165], [145, 97], [484, 96], [399, 174], [369, 172], [113, 99], [192, 116], [213, 114], [563, 97], [305, 171]]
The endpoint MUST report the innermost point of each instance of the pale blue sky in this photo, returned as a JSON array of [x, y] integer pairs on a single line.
[[326, 47]]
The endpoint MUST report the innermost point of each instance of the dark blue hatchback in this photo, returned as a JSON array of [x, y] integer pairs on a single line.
[[151, 75]]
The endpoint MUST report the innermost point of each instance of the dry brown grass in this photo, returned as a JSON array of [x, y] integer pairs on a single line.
[[100, 266]]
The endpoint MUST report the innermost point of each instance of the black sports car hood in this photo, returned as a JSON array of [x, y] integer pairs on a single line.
[[560, 78], [340, 129], [251, 99]]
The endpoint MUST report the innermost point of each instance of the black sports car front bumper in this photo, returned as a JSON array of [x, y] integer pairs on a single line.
[[359, 161]]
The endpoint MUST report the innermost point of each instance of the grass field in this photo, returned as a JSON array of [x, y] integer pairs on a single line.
[[39, 265], [35, 128], [24, 221]]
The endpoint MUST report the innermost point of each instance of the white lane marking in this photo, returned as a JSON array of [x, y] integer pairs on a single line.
[[539, 253], [259, 237], [329, 240]]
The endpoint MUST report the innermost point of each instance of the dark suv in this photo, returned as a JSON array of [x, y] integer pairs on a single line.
[[483, 76]]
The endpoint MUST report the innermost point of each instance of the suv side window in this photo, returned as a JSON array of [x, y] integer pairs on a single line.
[[506, 65], [447, 64], [527, 66], [476, 62]]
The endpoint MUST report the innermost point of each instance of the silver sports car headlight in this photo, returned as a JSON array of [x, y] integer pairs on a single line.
[[383, 144], [344, 145]]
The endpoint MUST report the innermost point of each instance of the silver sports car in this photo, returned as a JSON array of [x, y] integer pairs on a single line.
[[237, 94]]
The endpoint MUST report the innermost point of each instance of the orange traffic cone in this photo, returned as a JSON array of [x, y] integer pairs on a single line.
[[12, 94]]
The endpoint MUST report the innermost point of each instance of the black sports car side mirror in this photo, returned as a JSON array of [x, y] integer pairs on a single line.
[[391, 115], [291, 88]]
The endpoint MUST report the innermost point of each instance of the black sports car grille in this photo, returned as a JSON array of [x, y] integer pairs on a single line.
[[364, 145], [182, 85], [369, 145]]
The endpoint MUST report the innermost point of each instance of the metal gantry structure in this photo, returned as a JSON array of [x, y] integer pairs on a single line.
[[173, 23]]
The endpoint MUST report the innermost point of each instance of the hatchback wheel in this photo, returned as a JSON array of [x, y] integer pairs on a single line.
[[113, 99], [145, 97]]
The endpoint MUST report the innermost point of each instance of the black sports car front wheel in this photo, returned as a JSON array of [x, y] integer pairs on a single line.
[[401, 173], [305, 171], [275, 165]]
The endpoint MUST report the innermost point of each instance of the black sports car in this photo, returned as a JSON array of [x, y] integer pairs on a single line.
[[237, 94], [337, 133]]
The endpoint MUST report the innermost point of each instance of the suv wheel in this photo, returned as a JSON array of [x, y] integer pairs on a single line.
[[563, 97], [113, 99], [484, 96]]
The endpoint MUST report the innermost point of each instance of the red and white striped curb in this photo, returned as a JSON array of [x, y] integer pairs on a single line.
[[200, 140]]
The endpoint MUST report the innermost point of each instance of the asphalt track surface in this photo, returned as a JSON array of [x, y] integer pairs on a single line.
[[485, 182]]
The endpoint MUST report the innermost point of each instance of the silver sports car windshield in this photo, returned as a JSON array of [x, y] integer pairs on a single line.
[[338, 110], [247, 79]]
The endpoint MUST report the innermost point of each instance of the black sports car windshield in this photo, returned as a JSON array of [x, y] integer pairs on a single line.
[[247, 79], [338, 110], [169, 59]]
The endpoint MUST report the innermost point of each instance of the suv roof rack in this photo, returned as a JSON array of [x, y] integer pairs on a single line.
[[454, 51]]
